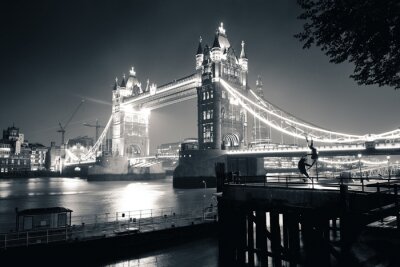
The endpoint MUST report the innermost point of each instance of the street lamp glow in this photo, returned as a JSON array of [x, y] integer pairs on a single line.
[[359, 156], [388, 157]]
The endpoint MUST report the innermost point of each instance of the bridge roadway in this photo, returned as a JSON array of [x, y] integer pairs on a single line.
[[323, 151], [290, 222], [174, 92]]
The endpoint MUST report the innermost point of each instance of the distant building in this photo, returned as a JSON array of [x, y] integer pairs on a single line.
[[77, 148], [168, 149], [53, 159], [84, 141], [190, 144], [38, 157], [14, 152], [260, 133], [172, 149]]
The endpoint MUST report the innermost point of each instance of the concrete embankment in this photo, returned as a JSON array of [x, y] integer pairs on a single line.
[[95, 252]]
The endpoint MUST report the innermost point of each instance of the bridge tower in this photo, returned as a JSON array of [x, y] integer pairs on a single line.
[[222, 123], [130, 126]]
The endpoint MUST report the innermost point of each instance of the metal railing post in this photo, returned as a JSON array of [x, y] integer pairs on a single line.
[[27, 238], [362, 184], [47, 236], [396, 195], [312, 181], [378, 191]]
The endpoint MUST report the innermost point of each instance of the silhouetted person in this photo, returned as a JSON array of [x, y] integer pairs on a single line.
[[302, 167]]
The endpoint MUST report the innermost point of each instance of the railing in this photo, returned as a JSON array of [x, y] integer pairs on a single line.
[[98, 226], [363, 184], [381, 188]]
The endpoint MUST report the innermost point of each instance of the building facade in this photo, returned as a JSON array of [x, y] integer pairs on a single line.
[[38, 157], [130, 126], [53, 159], [14, 152]]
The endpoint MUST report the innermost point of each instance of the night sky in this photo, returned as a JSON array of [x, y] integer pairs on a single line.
[[53, 53]]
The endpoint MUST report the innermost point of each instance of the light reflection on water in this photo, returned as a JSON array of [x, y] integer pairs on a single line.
[[137, 196], [197, 253], [92, 197]]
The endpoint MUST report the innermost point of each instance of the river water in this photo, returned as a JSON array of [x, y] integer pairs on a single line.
[[101, 197]]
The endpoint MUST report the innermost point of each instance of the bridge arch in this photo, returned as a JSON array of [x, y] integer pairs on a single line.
[[133, 150], [231, 140]]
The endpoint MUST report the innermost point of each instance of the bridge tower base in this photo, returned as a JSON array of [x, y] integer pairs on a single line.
[[196, 166]]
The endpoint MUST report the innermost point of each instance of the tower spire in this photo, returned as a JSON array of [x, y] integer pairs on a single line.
[[242, 53], [259, 87], [199, 48], [116, 83], [132, 71], [216, 42], [123, 82], [221, 29]]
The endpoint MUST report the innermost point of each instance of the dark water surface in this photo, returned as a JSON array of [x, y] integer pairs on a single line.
[[199, 253], [101, 197]]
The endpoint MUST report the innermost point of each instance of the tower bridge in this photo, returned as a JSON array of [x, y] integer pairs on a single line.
[[231, 116]]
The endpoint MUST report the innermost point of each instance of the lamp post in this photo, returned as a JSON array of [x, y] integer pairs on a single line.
[[388, 163], [204, 197], [359, 165]]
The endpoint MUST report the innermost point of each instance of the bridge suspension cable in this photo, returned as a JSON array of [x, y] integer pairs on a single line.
[[288, 124], [91, 154]]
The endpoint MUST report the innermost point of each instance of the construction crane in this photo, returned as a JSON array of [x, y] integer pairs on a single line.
[[97, 126], [62, 128]]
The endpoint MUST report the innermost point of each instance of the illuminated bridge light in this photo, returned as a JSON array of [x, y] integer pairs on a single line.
[[317, 134]]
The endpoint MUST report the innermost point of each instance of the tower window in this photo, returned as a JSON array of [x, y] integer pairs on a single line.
[[208, 133]]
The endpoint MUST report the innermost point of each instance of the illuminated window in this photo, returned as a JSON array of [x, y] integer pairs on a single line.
[[208, 133], [209, 114], [211, 94]]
